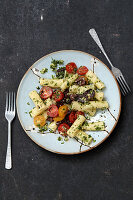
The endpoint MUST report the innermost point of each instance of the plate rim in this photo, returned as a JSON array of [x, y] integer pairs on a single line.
[[74, 153]]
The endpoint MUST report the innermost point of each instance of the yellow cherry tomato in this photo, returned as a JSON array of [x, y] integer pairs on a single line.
[[63, 110], [58, 119], [39, 121]]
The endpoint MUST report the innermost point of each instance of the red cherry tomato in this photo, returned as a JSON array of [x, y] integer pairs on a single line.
[[82, 70], [63, 128], [58, 95], [46, 92], [78, 113], [53, 111], [71, 68], [72, 117]]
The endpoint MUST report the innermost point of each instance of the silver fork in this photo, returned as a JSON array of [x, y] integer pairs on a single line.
[[9, 115], [125, 89]]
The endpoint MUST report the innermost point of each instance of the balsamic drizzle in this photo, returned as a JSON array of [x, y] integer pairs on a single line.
[[93, 68], [111, 114], [106, 131], [35, 73]]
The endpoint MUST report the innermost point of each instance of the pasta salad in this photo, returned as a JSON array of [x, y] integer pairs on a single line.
[[64, 102]]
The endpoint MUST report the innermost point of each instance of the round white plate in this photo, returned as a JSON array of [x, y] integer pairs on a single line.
[[112, 94]]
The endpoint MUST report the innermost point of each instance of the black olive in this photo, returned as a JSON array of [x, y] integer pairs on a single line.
[[80, 81], [73, 97]]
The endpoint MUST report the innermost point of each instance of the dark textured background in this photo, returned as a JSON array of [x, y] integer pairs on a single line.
[[103, 173]]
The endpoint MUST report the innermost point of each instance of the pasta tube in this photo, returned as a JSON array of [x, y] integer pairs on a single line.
[[99, 96], [36, 99], [36, 111], [69, 82], [75, 126], [92, 104], [76, 89], [94, 126], [84, 137], [54, 83], [52, 126], [94, 79]]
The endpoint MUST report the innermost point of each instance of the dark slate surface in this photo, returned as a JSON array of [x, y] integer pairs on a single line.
[[103, 173]]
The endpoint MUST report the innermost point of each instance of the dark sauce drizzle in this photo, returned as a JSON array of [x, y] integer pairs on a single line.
[[93, 68], [82, 144], [111, 114], [35, 74], [106, 131]]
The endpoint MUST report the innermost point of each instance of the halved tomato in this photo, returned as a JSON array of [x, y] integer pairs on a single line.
[[53, 111], [82, 70], [71, 68], [63, 110], [58, 118], [39, 121], [72, 117], [78, 113], [63, 128], [58, 95], [46, 92]]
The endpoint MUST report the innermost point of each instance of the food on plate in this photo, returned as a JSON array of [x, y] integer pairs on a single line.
[[46, 92], [39, 121], [71, 68], [66, 100], [82, 70]]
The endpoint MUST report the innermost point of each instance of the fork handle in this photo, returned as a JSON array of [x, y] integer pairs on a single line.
[[8, 164], [98, 42]]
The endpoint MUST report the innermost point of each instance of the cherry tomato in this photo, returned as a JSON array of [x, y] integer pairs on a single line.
[[72, 117], [78, 113], [46, 92], [53, 111], [82, 70], [63, 110], [58, 95], [63, 128], [58, 118], [39, 121], [71, 68]]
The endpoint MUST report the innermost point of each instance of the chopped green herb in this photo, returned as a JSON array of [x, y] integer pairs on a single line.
[[38, 88], [51, 131], [85, 123], [60, 72], [62, 143], [66, 139], [59, 138], [44, 128], [26, 113], [55, 63], [53, 77], [98, 128], [67, 83], [79, 127], [44, 70], [28, 103], [30, 113]]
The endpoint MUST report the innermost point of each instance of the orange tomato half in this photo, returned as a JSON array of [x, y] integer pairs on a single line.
[[63, 110], [39, 121]]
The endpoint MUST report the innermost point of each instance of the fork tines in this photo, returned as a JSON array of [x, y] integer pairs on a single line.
[[10, 101], [125, 89]]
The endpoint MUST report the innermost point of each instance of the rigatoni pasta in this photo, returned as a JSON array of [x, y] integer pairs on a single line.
[[94, 79], [54, 83], [94, 126], [76, 126]]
